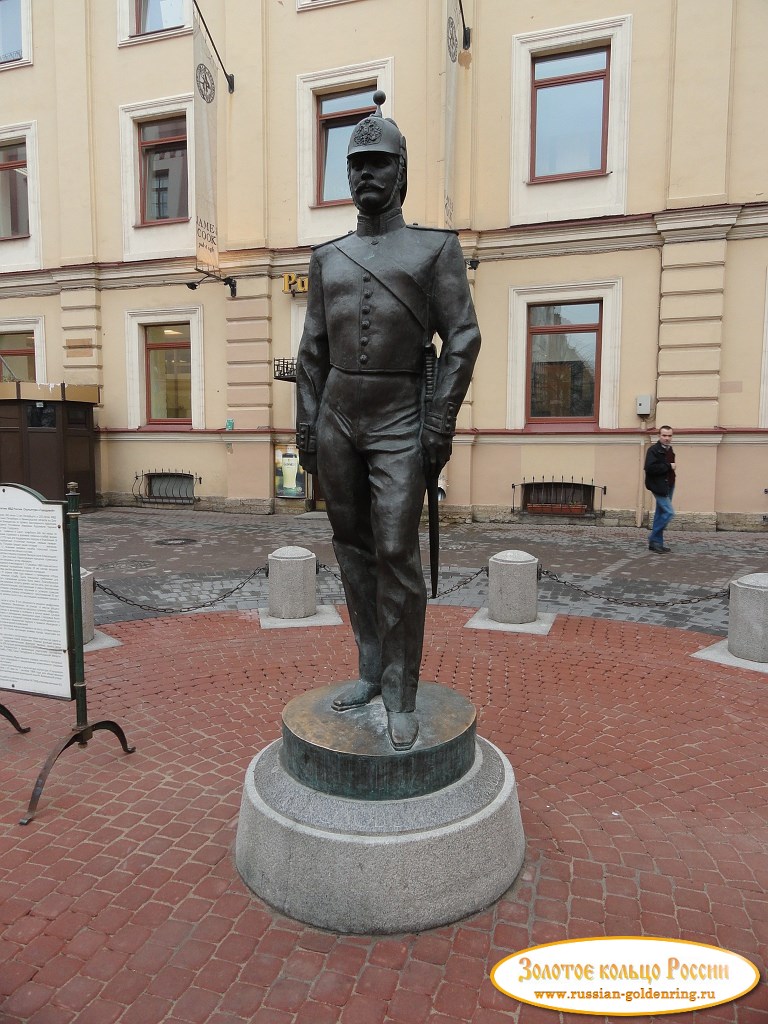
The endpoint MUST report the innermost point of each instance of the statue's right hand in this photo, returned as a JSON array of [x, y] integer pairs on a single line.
[[308, 461]]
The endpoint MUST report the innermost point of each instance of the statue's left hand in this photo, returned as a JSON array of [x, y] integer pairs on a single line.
[[436, 450]]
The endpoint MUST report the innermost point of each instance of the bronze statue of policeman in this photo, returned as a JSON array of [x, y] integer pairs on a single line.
[[376, 414]]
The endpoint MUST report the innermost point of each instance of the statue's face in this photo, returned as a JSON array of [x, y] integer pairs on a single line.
[[372, 177]]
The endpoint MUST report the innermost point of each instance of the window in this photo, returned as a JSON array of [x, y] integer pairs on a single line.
[[570, 114], [144, 21], [158, 15], [329, 104], [14, 197], [11, 48], [168, 373], [563, 356], [164, 367], [564, 361], [22, 349], [17, 356], [20, 241], [337, 115], [164, 187], [570, 121], [157, 173]]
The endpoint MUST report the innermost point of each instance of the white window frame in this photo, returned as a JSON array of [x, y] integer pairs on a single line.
[[24, 324], [135, 363], [319, 223], [126, 14], [25, 253], [153, 240], [307, 5], [606, 291], [298, 316], [598, 196], [26, 39]]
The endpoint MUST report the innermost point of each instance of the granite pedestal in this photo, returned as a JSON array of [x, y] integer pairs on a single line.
[[340, 831]]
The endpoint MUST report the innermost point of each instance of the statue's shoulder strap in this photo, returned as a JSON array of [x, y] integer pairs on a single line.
[[392, 275], [331, 241]]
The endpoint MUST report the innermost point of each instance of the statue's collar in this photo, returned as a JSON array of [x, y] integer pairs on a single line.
[[390, 221]]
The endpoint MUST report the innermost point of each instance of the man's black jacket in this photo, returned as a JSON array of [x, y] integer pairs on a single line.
[[657, 469]]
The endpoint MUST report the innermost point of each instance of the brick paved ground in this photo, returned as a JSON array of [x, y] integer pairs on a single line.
[[642, 784]]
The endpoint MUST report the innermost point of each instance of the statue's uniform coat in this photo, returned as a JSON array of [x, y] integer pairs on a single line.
[[371, 313]]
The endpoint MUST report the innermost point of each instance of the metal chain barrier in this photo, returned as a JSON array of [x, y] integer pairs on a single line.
[[465, 581], [637, 604], [462, 583], [186, 608], [443, 593]]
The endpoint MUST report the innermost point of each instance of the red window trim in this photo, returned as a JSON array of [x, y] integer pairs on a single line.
[[158, 144], [551, 423], [585, 76], [152, 346], [339, 119]]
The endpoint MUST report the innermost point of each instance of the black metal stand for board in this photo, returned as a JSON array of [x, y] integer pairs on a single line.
[[12, 719], [83, 730]]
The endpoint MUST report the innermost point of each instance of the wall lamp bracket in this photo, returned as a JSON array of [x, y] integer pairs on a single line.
[[472, 264], [229, 281]]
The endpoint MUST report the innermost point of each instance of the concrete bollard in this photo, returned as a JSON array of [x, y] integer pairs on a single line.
[[86, 591], [748, 618], [513, 587], [292, 583]]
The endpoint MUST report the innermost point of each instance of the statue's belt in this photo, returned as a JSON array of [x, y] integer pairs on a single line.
[[392, 276]]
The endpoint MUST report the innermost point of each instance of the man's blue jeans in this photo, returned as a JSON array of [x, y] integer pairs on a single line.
[[663, 515]]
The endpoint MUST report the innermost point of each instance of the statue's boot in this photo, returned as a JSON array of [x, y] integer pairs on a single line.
[[403, 728], [355, 696]]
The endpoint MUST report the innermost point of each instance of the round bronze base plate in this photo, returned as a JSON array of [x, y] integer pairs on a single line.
[[349, 753]]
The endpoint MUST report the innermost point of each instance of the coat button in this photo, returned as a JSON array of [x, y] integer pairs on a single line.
[[364, 340], [368, 293], [374, 241], [363, 359], [366, 309], [365, 324], [366, 277]]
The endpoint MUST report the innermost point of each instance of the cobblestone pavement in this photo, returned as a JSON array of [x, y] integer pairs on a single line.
[[642, 783], [175, 559]]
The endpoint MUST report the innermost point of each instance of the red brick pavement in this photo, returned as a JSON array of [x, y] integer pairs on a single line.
[[642, 785]]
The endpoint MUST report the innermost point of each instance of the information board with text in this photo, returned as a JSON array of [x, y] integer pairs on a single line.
[[35, 647]]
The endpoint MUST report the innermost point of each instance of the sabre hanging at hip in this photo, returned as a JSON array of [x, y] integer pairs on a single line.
[[430, 365]]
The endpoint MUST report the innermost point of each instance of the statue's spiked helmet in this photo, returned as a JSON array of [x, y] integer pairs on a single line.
[[378, 134]]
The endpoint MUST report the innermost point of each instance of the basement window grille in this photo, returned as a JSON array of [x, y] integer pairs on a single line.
[[562, 497], [165, 487]]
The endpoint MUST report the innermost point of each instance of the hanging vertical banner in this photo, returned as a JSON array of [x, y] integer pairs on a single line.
[[452, 30], [206, 231]]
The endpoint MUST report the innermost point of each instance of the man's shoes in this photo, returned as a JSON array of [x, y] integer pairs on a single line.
[[403, 728], [658, 549], [356, 696]]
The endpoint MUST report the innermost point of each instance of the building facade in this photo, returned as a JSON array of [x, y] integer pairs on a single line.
[[602, 161]]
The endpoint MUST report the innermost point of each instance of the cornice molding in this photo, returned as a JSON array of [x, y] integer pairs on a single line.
[[598, 235], [697, 225]]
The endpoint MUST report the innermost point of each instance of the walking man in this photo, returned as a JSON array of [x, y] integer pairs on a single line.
[[376, 410], [660, 480]]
